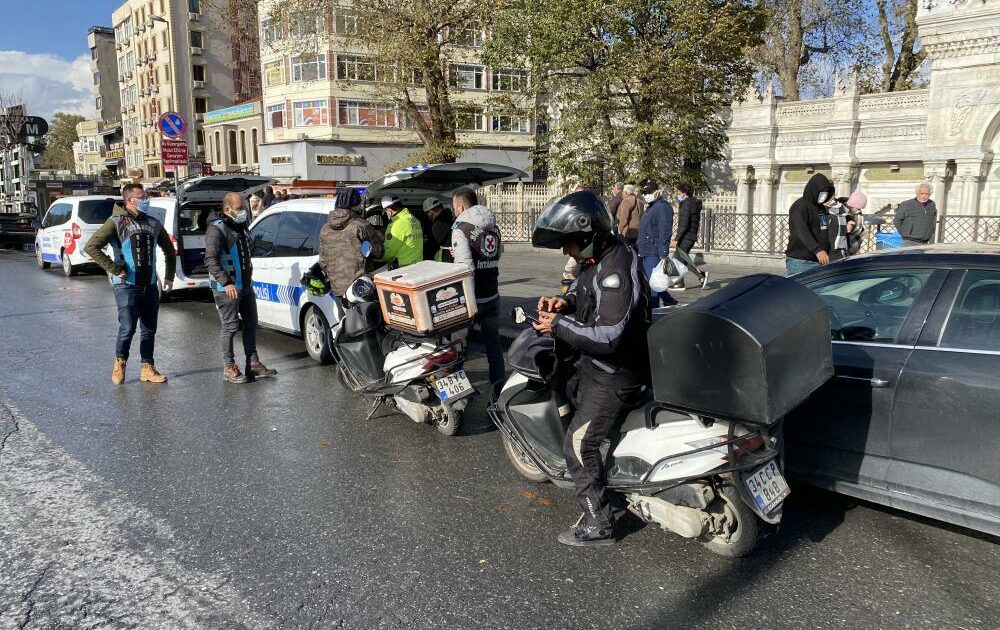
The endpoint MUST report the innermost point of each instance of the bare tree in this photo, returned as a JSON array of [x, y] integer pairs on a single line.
[[898, 19], [12, 115]]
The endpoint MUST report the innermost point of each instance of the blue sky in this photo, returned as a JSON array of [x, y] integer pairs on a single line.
[[44, 55]]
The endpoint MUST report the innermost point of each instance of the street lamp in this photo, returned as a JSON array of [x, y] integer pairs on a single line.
[[172, 77]]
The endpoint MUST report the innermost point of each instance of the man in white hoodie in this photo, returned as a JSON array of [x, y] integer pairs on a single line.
[[475, 242]]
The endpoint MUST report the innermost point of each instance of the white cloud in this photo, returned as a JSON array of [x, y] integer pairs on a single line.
[[47, 83]]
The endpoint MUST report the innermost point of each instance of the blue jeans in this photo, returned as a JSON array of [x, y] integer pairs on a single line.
[[488, 320], [795, 265], [649, 263], [136, 306]]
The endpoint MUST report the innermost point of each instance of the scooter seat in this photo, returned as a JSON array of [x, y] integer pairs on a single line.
[[639, 418]]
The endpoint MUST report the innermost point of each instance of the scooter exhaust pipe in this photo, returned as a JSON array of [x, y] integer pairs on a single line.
[[683, 521]]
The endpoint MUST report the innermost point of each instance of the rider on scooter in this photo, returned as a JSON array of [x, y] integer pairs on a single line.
[[604, 316]]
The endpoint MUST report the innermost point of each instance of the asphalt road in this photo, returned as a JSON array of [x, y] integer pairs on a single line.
[[199, 504]]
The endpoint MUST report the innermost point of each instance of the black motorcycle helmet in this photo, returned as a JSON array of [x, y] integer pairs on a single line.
[[348, 198], [579, 217]]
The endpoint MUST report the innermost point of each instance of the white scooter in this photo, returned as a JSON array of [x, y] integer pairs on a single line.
[[708, 477]]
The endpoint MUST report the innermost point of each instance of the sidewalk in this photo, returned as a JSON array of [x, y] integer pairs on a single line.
[[527, 274]]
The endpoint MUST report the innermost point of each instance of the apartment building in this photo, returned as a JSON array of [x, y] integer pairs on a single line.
[[187, 56], [324, 118], [87, 149], [104, 66]]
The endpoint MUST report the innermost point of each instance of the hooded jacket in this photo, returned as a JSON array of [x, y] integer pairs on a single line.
[[340, 247], [476, 243], [134, 240], [809, 221], [688, 220]]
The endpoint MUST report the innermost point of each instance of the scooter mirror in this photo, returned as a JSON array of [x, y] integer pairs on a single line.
[[518, 315], [366, 249]]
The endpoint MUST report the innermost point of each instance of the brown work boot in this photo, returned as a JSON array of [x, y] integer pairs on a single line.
[[232, 374], [259, 370], [148, 374], [118, 373]]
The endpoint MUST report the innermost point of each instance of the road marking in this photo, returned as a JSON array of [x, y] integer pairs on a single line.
[[75, 551]]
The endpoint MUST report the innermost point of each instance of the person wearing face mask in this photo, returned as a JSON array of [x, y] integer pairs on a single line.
[[809, 226], [629, 215], [227, 256], [134, 237], [847, 225], [688, 222], [654, 237]]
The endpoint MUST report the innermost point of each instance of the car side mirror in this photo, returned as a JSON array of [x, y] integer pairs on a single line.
[[366, 249]]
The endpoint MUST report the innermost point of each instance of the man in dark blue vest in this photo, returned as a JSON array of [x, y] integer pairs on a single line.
[[227, 256], [134, 237]]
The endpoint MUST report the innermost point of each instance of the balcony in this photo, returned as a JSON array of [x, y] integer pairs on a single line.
[[199, 149], [199, 117], [198, 85], [196, 50], [194, 17]]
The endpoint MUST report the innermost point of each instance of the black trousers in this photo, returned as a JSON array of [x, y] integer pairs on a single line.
[[601, 404], [234, 314]]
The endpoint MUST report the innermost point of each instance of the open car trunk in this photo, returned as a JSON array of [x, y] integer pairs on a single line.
[[415, 183]]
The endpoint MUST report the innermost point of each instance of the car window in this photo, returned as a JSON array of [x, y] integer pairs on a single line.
[[96, 211], [193, 218], [298, 234], [870, 305], [974, 323], [263, 235], [58, 214]]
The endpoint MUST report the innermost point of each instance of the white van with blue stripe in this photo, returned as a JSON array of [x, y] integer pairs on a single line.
[[67, 226], [284, 242]]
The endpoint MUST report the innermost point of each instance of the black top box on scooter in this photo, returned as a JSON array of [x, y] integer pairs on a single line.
[[752, 351]]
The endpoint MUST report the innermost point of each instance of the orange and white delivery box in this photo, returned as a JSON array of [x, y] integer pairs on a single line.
[[427, 297]]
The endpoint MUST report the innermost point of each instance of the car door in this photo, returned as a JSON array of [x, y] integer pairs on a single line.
[[842, 432], [296, 249], [946, 416], [55, 226], [91, 214], [263, 235]]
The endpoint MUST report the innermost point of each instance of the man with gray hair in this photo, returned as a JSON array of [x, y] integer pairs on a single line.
[[616, 197], [628, 215], [916, 219]]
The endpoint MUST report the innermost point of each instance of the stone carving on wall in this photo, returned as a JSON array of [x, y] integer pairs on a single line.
[[805, 112], [962, 111], [893, 101], [789, 139], [904, 132]]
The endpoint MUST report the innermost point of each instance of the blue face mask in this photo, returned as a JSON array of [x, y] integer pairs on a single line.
[[241, 216], [144, 206], [681, 197]]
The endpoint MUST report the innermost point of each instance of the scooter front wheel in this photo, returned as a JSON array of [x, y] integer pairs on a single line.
[[733, 529], [522, 463]]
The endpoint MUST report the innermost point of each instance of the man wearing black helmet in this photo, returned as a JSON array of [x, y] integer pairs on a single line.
[[604, 316], [340, 242]]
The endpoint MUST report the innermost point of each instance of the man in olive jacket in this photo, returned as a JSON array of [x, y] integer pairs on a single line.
[[134, 237], [340, 242]]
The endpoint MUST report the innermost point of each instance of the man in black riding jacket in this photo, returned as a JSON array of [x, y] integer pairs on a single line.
[[604, 316]]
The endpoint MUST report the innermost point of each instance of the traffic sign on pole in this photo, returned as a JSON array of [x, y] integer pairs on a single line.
[[174, 152], [172, 125]]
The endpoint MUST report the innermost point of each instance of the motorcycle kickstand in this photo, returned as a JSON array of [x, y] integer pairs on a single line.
[[375, 407]]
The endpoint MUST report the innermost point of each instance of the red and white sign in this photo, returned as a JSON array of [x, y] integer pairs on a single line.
[[174, 152]]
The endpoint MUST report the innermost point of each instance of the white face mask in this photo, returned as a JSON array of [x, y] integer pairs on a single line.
[[681, 197], [650, 198]]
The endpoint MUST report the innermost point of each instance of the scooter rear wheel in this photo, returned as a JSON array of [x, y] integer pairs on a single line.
[[450, 422], [739, 527], [522, 463]]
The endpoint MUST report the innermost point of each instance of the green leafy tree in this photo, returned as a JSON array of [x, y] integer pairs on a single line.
[[634, 88], [59, 141], [412, 43]]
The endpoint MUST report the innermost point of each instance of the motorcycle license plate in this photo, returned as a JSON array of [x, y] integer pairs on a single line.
[[453, 387], [767, 486]]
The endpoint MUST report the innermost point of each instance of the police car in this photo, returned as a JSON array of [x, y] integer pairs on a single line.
[[285, 244], [67, 226]]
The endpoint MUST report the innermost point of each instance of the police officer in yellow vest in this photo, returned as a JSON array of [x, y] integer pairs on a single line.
[[404, 238]]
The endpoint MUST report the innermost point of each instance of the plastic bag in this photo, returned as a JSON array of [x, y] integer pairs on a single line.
[[659, 281], [888, 240]]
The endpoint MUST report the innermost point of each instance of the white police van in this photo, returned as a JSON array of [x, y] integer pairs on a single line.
[[67, 226]]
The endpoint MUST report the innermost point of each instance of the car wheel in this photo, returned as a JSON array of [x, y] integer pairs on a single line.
[[734, 528], [69, 269], [38, 258], [316, 334]]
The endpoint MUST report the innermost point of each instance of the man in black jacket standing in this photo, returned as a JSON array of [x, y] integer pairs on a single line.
[[809, 226], [604, 316], [688, 223], [227, 256]]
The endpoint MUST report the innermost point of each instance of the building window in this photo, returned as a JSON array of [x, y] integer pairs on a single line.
[[154, 170], [346, 21], [97, 78], [355, 68], [423, 111], [366, 114], [310, 113], [253, 143], [270, 31], [511, 124], [164, 41], [468, 37], [275, 116], [200, 105], [231, 139], [99, 103], [198, 73], [166, 73], [274, 73], [309, 67], [243, 146], [305, 25], [194, 6], [470, 119], [510, 80], [218, 148], [199, 136], [467, 77], [197, 39]]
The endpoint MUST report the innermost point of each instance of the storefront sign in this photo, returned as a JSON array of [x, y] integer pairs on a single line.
[[281, 159], [330, 159], [236, 112]]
